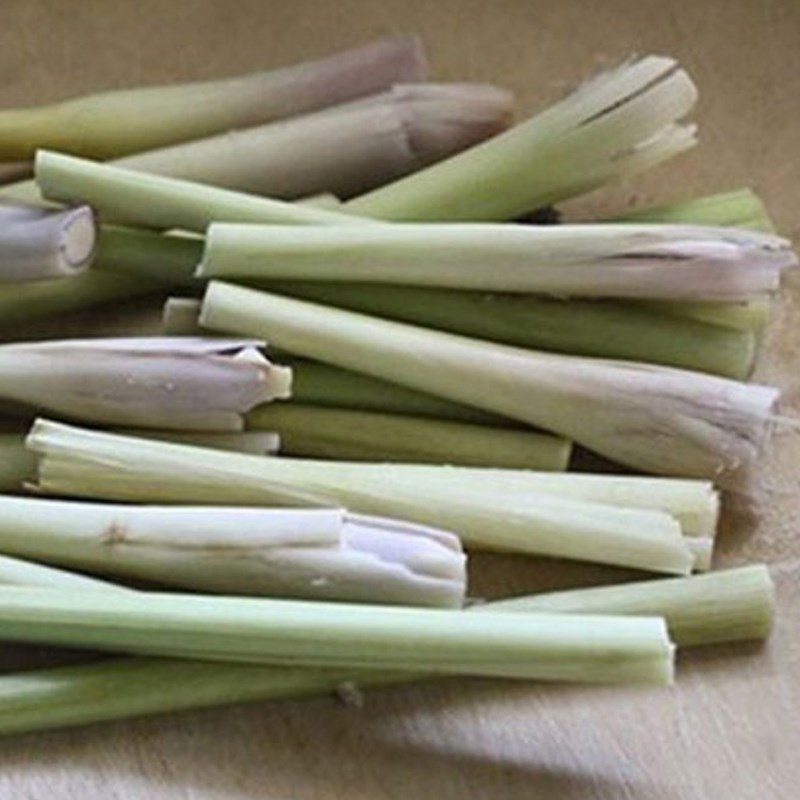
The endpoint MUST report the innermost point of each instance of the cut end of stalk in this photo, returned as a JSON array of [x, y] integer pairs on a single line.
[[80, 236]]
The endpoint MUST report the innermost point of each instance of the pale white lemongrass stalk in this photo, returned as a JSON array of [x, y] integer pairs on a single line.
[[727, 606], [558, 647], [346, 150], [38, 244], [324, 554], [619, 122], [113, 123], [19, 572], [152, 201], [656, 261], [319, 432], [655, 419], [157, 382], [104, 466]]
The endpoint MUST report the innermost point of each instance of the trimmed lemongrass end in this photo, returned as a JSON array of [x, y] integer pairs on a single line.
[[78, 462], [114, 123], [180, 317], [258, 443], [751, 315], [618, 123], [319, 432], [725, 606], [323, 554], [740, 208], [38, 244], [15, 171], [346, 149], [595, 649], [604, 329], [158, 382], [152, 201], [655, 419], [655, 261], [326, 200]]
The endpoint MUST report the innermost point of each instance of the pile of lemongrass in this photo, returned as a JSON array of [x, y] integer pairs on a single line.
[[244, 527]]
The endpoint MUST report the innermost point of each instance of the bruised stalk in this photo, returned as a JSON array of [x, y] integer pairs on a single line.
[[323, 554], [655, 261], [111, 124], [105, 466], [158, 382], [655, 419], [38, 244]]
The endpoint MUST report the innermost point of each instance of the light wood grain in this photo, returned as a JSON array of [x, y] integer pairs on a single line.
[[729, 728]]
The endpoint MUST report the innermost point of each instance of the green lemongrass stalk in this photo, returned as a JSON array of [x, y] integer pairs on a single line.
[[37, 244], [322, 432], [655, 261], [347, 149], [156, 382], [578, 648], [18, 572], [317, 384], [104, 466], [620, 122], [751, 315], [152, 201], [18, 464], [726, 606], [604, 329], [15, 171], [655, 419], [114, 123], [324, 554], [26, 302], [740, 208]]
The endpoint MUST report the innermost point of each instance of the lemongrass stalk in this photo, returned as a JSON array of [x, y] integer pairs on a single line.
[[595, 649], [157, 382], [114, 123], [259, 443], [702, 548], [322, 200], [321, 432], [37, 244], [727, 606], [314, 383], [136, 198], [655, 419], [654, 261], [604, 329], [324, 554], [18, 464], [751, 315], [346, 149], [18, 572], [620, 122], [740, 208], [180, 316], [104, 466]]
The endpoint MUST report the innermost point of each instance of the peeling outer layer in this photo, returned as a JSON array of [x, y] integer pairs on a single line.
[[159, 382], [308, 553], [38, 244]]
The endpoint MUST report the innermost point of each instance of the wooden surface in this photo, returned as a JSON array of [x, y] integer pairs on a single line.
[[730, 727]]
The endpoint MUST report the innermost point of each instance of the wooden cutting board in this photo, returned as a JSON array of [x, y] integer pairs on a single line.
[[730, 727]]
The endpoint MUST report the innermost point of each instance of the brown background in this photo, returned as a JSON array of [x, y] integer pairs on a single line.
[[730, 727]]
